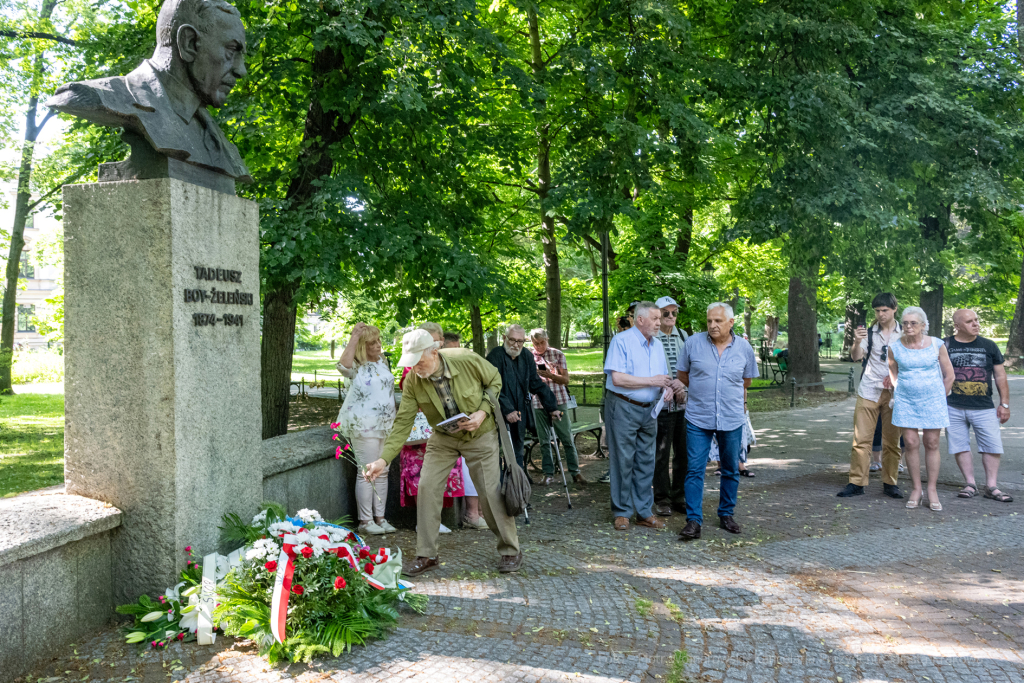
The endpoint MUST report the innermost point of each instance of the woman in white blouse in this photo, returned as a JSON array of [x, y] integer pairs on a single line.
[[366, 418]]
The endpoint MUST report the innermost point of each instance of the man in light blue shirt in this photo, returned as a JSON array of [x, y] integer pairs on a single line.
[[637, 378], [717, 366]]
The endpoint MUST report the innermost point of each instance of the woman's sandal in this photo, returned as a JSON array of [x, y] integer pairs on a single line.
[[965, 493], [746, 473], [935, 505], [911, 503], [996, 494]]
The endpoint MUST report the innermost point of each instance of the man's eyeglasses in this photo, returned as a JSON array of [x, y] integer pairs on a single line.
[[669, 314], [518, 342]]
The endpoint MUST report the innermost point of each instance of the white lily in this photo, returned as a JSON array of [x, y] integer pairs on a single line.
[[174, 593], [153, 616], [190, 615]]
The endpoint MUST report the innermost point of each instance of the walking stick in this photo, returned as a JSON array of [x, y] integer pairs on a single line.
[[558, 454]]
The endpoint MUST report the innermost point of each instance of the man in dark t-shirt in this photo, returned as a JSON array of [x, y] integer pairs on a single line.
[[975, 361]]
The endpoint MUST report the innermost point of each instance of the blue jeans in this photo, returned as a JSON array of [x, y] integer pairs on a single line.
[[698, 448], [631, 439]]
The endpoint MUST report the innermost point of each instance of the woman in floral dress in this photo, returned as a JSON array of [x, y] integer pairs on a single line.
[[366, 418], [922, 377]]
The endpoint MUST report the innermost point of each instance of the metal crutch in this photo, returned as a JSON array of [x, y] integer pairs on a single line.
[[558, 454]]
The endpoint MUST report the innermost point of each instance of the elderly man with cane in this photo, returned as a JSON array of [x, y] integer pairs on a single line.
[[717, 366], [444, 385]]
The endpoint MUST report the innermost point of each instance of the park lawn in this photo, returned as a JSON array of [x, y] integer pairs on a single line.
[[31, 442], [304, 363]]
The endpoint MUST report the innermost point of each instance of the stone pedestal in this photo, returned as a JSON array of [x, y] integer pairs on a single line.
[[162, 367]]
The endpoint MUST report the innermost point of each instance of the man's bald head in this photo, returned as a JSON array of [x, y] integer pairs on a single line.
[[966, 324]]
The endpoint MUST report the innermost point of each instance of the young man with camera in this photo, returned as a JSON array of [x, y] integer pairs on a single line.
[[871, 347]]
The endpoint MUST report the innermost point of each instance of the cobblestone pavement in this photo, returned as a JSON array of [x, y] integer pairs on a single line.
[[816, 588]]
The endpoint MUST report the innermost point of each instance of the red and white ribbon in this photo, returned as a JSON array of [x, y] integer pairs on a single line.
[[291, 546]]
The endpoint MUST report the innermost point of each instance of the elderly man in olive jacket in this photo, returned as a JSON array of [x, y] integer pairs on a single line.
[[444, 384], [519, 379]]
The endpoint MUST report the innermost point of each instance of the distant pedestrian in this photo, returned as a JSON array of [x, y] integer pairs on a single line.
[[637, 377], [872, 347], [717, 367], [671, 441], [554, 372], [519, 379], [921, 375], [975, 361]]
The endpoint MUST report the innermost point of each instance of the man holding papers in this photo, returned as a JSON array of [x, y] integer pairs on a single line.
[[444, 383], [635, 390], [717, 366]]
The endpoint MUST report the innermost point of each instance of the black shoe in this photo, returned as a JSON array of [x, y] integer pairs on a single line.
[[729, 524], [851, 490], [892, 490], [663, 510], [605, 478], [690, 532]]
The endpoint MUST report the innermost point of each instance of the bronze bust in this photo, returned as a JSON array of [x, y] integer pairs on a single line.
[[161, 105]]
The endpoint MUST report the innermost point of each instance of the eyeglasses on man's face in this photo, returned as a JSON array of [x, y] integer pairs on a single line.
[[669, 314], [517, 342]]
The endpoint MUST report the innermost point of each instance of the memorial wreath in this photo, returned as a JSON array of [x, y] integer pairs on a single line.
[[298, 587]]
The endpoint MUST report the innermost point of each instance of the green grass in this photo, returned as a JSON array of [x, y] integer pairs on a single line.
[[37, 366], [31, 442], [305, 362], [585, 360]]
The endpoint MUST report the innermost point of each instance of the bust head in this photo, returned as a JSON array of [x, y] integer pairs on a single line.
[[204, 40]]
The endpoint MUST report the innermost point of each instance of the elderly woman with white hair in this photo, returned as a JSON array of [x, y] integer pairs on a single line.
[[922, 377]]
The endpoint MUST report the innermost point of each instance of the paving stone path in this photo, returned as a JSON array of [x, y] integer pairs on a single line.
[[816, 589]]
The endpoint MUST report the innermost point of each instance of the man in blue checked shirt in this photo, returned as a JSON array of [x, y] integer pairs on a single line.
[[637, 379], [717, 366]]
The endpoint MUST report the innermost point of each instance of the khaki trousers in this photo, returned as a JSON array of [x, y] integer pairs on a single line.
[[482, 459], [865, 417]]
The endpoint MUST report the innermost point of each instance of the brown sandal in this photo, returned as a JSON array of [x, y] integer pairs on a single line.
[[996, 494], [622, 523], [964, 493]]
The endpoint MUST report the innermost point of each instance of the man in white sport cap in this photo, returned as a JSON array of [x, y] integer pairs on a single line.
[[444, 384], [668, 491]]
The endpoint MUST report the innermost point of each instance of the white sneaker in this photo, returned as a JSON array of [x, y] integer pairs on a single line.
[[386, 526], [478, 523], [902, 468], [445, 530], [371, 529]]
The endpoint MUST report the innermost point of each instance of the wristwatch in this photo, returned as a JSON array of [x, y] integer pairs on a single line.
[[1004, 405]]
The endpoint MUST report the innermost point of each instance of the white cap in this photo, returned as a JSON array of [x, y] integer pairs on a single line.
[[665, 301], [413, 345]]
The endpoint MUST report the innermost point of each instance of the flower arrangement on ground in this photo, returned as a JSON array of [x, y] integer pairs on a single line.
[[299, 587]]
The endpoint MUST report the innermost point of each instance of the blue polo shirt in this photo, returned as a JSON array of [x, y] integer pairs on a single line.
[[632, 354], [716, 382]]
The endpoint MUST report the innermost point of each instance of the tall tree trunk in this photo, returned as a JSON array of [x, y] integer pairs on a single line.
[[553, 278], [855, 317], [771, 329], [492, 339], [276, 349], [746, 317], [935, 235], [804, 364], [566, 337], [476, 325], [1015, 345], [684, 238], [324, 128]]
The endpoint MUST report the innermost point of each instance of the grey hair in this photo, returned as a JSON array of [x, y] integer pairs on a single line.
[[919, 312], [722, 304], [538, 333], [197, 13], [433, 328], [643, 308]]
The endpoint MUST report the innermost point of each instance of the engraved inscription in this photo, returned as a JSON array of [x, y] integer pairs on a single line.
[[215, 296], [204, 319], [218, 274]]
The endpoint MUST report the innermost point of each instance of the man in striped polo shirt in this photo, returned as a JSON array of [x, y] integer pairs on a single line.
[[668, 492]]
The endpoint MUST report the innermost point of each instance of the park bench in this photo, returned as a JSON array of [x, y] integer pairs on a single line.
[[769, 362], [531, 445]]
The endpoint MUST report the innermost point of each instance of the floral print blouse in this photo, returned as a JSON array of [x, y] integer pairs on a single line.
[[369, 408]]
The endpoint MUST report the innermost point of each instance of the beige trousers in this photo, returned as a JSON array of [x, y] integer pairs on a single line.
[[481, 456], [865, 417], [370, 498]]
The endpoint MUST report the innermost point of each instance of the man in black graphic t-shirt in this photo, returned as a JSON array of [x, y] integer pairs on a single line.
[[975, 360]]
